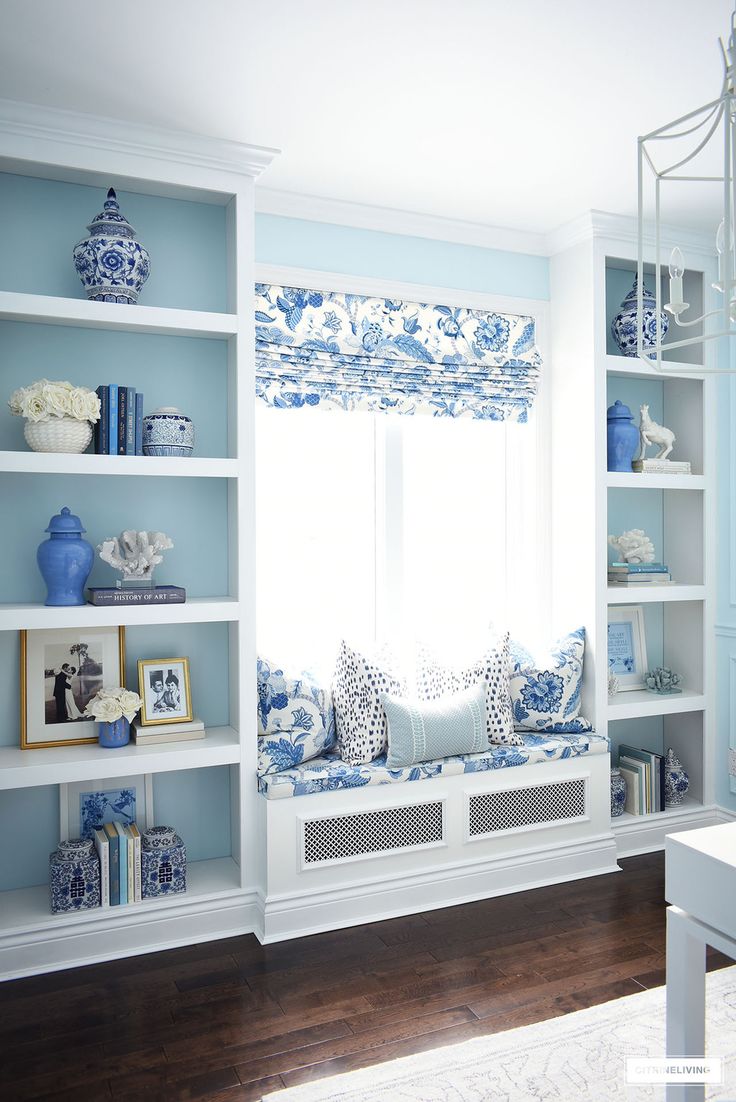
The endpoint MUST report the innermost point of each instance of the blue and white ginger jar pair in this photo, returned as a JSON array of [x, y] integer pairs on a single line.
[[624, 326], [111, 263]]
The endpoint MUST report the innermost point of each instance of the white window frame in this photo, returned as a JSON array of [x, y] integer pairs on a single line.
[[389, 527]]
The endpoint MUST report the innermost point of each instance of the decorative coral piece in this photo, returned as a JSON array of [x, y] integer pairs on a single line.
[[135, 554]]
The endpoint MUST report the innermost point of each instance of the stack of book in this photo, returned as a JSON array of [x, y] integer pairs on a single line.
[[167, 732], [661, 466], [119, 430], [639, 573], [643, 772], [119, 848]]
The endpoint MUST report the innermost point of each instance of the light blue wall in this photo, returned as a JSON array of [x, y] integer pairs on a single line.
[[331, 248]]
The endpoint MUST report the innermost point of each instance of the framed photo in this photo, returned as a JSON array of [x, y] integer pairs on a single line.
[[627, 647], [60, 670], [85, 805], [163, 685]]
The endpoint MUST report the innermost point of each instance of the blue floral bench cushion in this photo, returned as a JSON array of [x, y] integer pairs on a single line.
[[329, 772]]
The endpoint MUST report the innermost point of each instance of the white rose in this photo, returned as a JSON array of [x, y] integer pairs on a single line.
[[15, 402], [129, 702], [34, 407], [78, 405], [105, 710], [57, 399], [92, 406]]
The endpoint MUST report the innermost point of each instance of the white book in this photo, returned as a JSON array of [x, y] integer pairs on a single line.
[[168, 732], [632, 790], [102, 845], [137, 872]]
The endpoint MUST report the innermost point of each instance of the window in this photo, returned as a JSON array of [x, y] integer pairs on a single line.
[[379, 527]]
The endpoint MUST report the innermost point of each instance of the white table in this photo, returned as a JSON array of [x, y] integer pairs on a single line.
[[700, 883]]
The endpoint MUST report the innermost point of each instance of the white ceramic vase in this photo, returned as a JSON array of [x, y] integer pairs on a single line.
[[59, 434]]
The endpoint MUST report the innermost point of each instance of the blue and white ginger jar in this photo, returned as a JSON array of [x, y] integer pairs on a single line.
[[74, 876], [624, 324], [676, 780], [163, 862], [618, 793], [111, 263], [168, 431]]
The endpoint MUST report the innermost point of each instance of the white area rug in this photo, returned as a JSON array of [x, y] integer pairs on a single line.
[[576, 1058]]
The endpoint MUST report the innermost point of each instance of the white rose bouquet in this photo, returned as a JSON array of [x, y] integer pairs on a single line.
[[107, 705], [43, 400]]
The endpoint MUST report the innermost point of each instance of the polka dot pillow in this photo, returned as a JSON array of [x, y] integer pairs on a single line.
[[545, 690], [435, 679], [296, 720], [362, 732]]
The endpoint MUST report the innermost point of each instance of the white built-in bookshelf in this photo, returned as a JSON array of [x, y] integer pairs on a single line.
[[220, 896], [593, 261]]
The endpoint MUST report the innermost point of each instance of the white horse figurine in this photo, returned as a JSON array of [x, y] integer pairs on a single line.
[[652, 433]]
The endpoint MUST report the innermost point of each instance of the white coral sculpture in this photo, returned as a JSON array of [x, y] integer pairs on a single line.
[[632, 546], [133, 553]]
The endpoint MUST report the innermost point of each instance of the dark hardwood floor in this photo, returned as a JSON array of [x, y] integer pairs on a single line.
[[234, 1021]]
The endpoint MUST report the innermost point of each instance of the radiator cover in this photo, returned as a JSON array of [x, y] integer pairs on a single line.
[[514, 809], [337, 838]]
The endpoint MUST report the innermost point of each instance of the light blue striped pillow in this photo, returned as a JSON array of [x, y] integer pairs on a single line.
[[429, 729]]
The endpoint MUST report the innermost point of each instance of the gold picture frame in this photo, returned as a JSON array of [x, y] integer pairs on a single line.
[[164, 687], [61, 669]]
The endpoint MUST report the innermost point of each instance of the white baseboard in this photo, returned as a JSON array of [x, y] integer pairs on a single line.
[[51, 949], [725, 814], [648, 835], [298, 915]]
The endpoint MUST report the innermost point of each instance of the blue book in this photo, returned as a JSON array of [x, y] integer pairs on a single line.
[[639, 567], [112, 420], [138, 423], [130, 422], [122, 419], [102, 428], [112, 834], [123, 863]]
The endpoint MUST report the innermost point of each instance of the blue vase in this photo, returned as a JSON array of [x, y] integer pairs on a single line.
[[65, 560], [623, 437], [618, 793], [111, 263], [676, 780], [624, 326], [114, 733]]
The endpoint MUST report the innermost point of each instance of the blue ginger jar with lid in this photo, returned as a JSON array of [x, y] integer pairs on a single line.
[[618, 793], [111, 263], [623, 437], [624, 326], [65, 560], [676, 780]]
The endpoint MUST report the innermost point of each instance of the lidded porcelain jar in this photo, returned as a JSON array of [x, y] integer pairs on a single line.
[[168, 431], [65, 560], [624, 325], [618, 793], [163, 862], [676, 780], [111, 263], [623, 437], [74, 876]]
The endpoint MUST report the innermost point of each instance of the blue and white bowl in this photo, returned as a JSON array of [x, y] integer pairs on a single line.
[[168, 432]]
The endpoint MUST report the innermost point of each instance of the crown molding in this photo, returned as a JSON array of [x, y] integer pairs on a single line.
[[312, 208], [21, 122], [623, 228]]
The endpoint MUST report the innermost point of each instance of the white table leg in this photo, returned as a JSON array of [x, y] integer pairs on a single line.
[[685, 999]]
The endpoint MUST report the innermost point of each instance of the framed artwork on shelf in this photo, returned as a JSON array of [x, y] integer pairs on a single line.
[[163, 684], [84, 805], [627, 646], [61, 669]]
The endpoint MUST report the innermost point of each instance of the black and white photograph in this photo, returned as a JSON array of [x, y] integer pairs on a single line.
[[163, 684], [61, 670]]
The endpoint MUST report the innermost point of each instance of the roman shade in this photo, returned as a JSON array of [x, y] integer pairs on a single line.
[[354, 352]]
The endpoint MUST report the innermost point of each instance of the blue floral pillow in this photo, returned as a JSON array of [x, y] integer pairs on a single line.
[[545, 692], [296, 720]]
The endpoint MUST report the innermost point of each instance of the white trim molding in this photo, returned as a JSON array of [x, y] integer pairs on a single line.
[[314, 208]]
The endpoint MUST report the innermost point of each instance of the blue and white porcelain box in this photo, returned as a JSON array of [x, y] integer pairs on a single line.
[[74, 876], [163, 861]]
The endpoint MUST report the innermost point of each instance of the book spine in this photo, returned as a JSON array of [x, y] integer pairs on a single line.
[[102, 845], [123, 847], [638, 567], [122, 419], [112, 419], [131, 862], [138, 874], [130, 422], [102, 428], [114, 864], [136, 597], [138, 423]]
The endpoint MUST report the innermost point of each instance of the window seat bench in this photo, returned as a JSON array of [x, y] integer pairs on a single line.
[[330, 773], [352, 844]]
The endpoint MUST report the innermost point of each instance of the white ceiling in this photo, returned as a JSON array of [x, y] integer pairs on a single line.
[[519, 113]]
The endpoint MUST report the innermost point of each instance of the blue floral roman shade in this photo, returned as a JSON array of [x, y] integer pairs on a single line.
[[352, 352]]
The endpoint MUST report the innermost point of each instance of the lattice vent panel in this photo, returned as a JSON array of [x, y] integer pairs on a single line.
[[393, 828], [491, 812]]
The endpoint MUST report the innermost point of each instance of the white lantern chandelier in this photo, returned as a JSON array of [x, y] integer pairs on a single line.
[[671, 153]]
